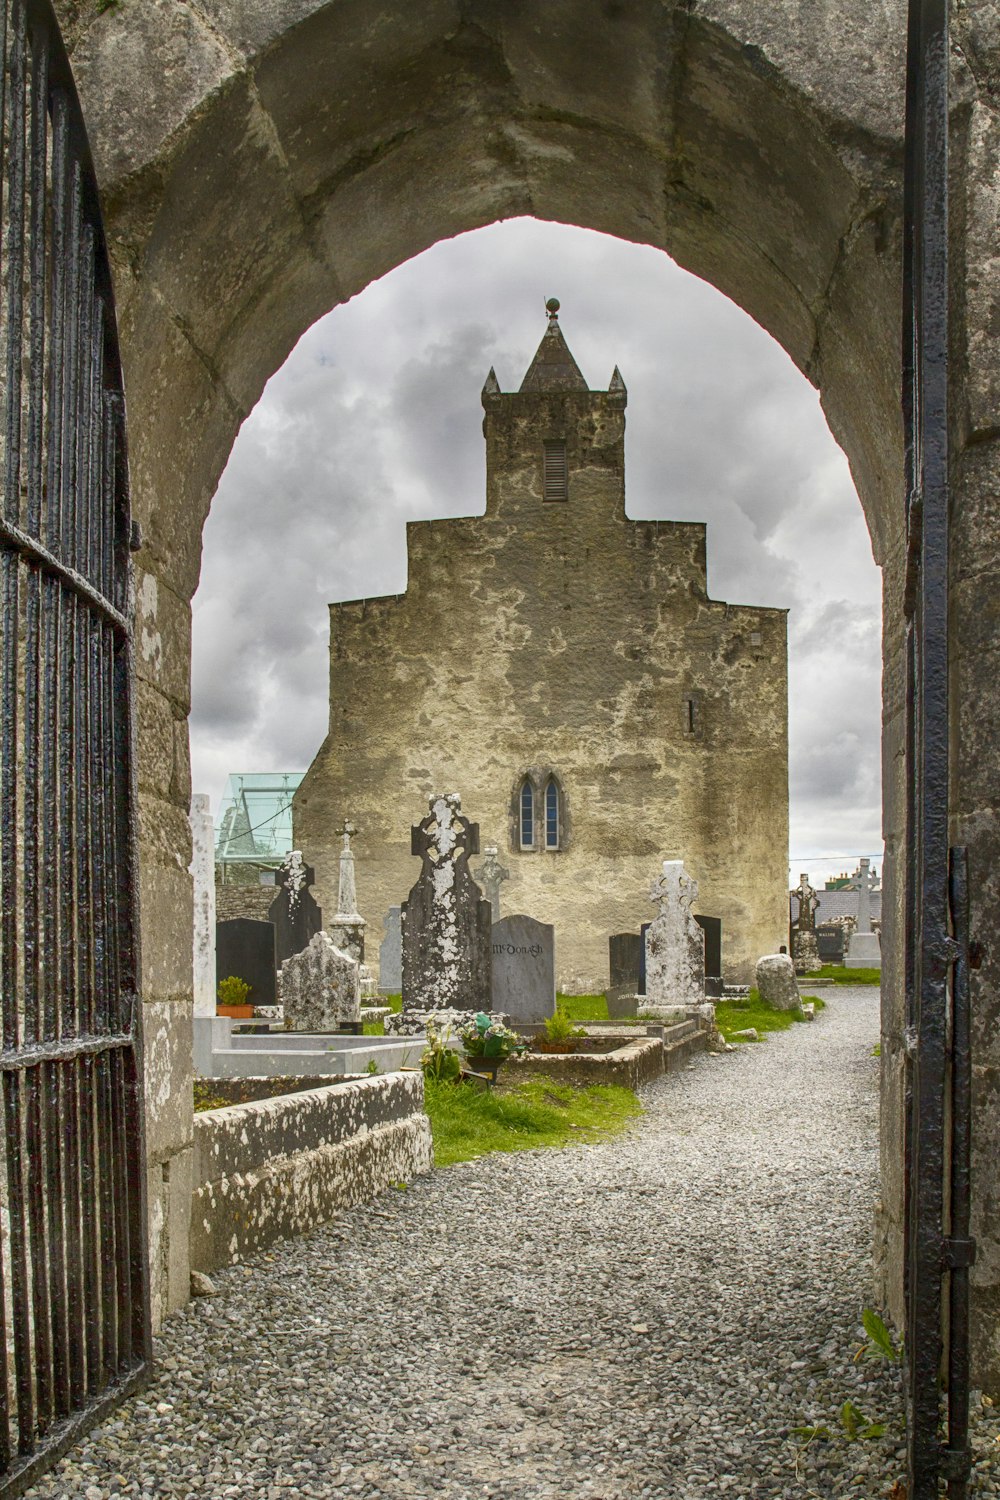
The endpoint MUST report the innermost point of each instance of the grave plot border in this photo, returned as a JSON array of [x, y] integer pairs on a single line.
[[74, 1284]]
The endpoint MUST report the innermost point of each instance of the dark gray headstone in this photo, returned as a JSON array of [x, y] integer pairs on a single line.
[[446, 922], [524, 969], [245, 949], [712, 928], [390, 954], [294, 912], [830, 941], [625, 952]]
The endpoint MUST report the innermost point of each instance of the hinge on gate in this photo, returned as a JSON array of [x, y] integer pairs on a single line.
[[957, 1254], [956, 1463]]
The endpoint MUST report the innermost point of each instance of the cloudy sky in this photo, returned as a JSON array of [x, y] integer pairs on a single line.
[[375, 419]]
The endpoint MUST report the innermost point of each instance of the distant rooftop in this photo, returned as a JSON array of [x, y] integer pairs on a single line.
[[255, 817]]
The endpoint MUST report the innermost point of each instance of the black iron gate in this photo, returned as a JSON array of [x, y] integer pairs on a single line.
[[74, 1327], [938, 1071]]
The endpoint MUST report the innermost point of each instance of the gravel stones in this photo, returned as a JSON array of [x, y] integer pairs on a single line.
[[649, 1318]]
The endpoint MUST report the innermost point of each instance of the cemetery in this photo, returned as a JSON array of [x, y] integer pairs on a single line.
[[281, 1293]]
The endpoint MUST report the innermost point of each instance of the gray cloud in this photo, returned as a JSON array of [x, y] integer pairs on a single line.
[[375, 419]]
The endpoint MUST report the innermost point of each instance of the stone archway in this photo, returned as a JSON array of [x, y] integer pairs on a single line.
[[259, 168]]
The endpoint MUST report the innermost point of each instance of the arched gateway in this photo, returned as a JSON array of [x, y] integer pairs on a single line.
[[260, 163]]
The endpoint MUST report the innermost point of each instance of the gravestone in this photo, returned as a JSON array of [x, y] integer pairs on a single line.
[[830, 942], [390, 954], [675, 944], [246, 949], [320, 987], [446, 923], [293, 911], [625, 954], [347, 929], [712, 928], [864, 950], [491, 875], [776, 982], [524, 969], [804, 945], [202, 871]]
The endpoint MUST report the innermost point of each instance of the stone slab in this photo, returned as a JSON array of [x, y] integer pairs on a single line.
[[390, 954], [524, 969], [863, 951]]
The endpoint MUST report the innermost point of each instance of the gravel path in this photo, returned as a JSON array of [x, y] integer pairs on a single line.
[[649, 1317]]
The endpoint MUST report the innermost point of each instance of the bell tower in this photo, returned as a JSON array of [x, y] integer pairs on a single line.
[[554, 442]]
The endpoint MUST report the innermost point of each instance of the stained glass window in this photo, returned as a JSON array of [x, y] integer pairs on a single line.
[[527, 815], [551, 816]]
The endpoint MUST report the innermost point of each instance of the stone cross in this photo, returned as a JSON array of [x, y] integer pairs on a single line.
[[864, 883], [675, 944], [446, 923], [808, 902], [492, 873], [347, 895]]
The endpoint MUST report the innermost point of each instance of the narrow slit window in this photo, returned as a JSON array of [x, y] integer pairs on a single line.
[[527, 816], [689, 705], [552, 816], [554, 470]]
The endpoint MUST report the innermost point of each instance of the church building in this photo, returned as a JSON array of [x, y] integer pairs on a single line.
[[563, 669]]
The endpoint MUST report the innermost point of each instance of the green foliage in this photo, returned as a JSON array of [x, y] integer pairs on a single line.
[[373, 1028], [840, 975], [102, 6], [232, 991], [856, 1425], [559, 1027], [394, 1002], [204, 1098], [440, 1063], [877, 1050], [880, 1343], [467, 1123], [372, 1067]]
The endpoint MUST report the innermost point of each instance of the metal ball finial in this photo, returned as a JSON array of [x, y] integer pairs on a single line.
[[552, 308]]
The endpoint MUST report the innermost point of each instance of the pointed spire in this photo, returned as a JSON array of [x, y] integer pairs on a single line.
[[617, 386], [553, 367], [492, 386]]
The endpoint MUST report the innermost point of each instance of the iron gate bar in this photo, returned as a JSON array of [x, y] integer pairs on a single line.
[[936, 1184], [74, 1274]]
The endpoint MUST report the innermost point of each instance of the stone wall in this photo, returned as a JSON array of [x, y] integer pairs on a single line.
[[279, 1167], [250, 901]]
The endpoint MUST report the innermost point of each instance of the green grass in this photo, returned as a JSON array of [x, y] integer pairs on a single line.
[[467, 1122], [740, 1015], [840, 975], [377, 1028], [583, 1007]]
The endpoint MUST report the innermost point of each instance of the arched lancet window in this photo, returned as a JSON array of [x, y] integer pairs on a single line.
[[527, 815], [552, 815]]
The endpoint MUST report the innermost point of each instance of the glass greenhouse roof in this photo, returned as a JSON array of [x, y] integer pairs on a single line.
[[255, 818]]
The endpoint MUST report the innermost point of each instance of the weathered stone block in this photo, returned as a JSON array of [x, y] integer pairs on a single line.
[[776, 982]]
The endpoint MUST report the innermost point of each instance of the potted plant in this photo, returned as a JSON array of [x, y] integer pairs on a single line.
[[488, 1043], [560, 1033], [231, 999]]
